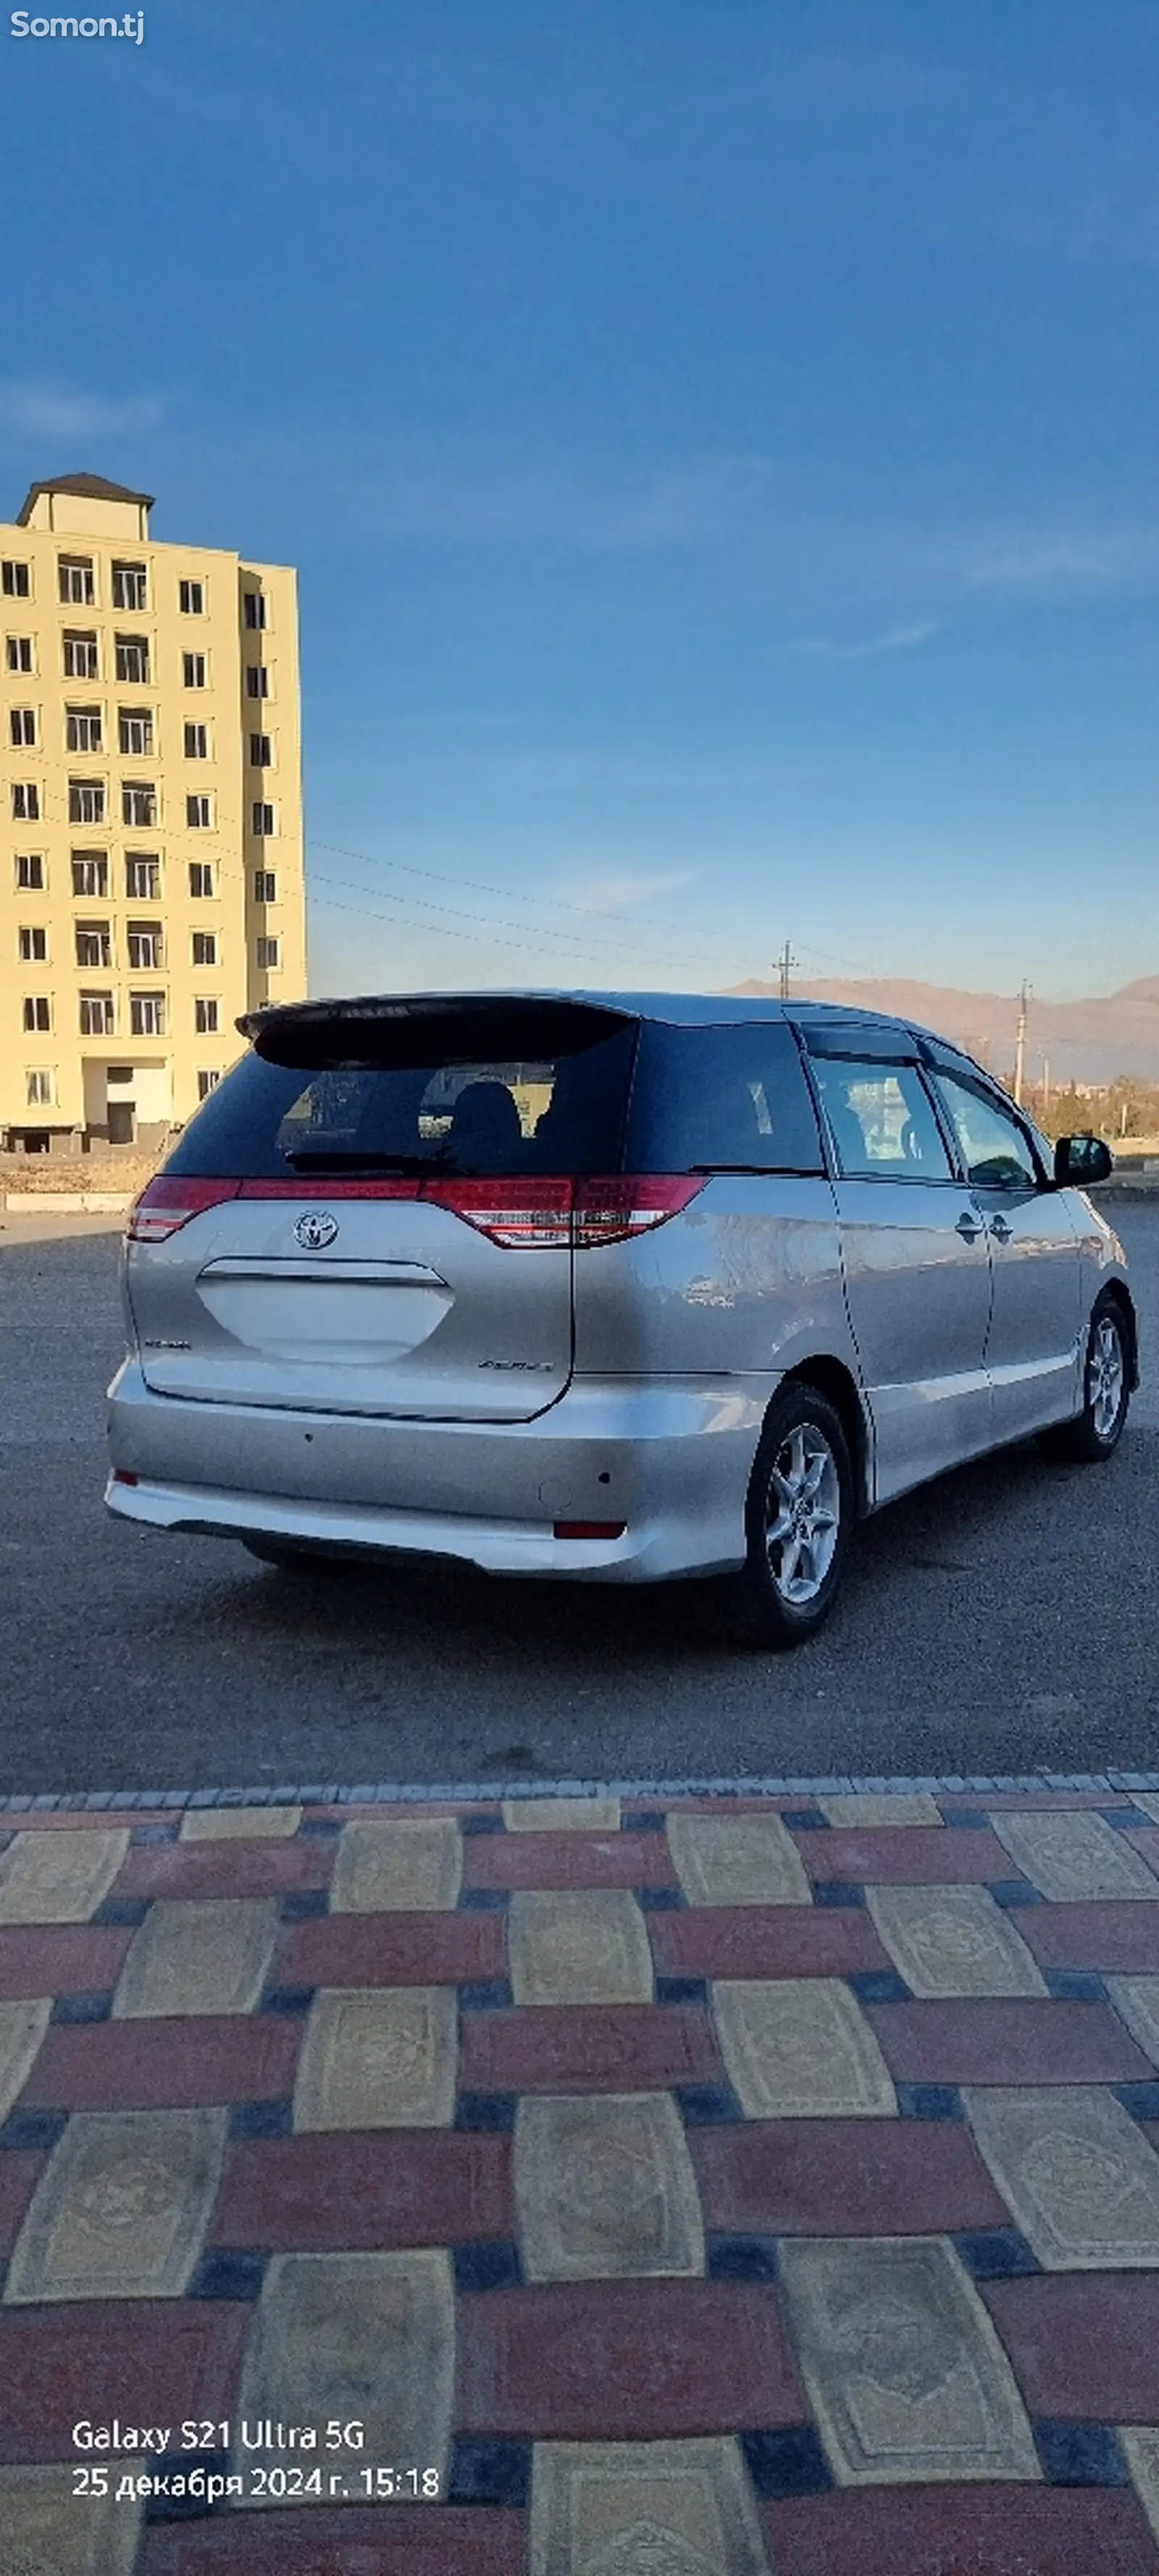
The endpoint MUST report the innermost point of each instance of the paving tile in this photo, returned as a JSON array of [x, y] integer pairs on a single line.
[[121, 2207], [904, 1856], [842, 2177], [581, 1946], [323, 2190], [604, 2188], [881, 1807], [613, 2046], [115, 2360], [623, 2508], [953, 1941], [1136, 2000], [568, 1815], [226, 1869], [410, 2540], [1109, 1939], [908, 2380], [1084, 2346], [66, 1958], [366, 2337], [59, 1878], [20, 2171], [46, 2530], [382, 2058], [394, 1950], [766, 1941], [22, 2029], [625, 2361], [737, 1860], [1141, 2451], [1075, 2172], [1074, 1857], [801, 2048], [1006, 2042], [566, 1860], [239, 1824], [140, 2064], [411, 1865], [961, 2531], [1148, 1802], [198, 1955]]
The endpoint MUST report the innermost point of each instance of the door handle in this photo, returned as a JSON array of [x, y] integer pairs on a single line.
[[1001, 1229], [968, 1226]]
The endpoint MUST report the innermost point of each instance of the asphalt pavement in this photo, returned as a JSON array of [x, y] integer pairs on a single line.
[[1002, 1620]]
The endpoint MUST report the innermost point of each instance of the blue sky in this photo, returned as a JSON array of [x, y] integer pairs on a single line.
[[719, 448]]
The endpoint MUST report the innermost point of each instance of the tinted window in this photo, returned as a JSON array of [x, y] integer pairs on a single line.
[[719, 1096], [994, 1150], [418, 1095], [881, 1120]]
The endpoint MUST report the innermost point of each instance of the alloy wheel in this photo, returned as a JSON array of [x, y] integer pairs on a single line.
[[1105, 1376], [802, 1514]]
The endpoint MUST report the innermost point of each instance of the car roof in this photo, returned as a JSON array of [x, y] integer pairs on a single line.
[[682, 1010]]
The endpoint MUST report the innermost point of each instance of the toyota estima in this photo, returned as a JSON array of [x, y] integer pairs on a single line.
[[613, 1286]]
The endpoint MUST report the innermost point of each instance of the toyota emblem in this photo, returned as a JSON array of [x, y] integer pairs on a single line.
[[315, 1231]]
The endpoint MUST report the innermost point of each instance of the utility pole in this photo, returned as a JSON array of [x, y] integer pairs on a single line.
[[1020, 1044], [1046, 1086], [785, 963]]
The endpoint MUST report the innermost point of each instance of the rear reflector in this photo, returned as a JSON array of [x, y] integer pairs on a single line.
[[588, 1529], [124, 1476], [529, 1215]]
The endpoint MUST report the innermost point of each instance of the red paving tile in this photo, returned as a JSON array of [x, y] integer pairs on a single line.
[[962, 2531], [906, 1855], [548, 2048], [765, 1941], [844, 2178], [360, 2190], [144, 2065], [626, 2361], [225, 1868], [388, 2540], [567, 1860], [393, 1950], [145, 2361], [1112, 1939], [60, 1959], [1083, 2344], [1007, 2042], [20, 2169]]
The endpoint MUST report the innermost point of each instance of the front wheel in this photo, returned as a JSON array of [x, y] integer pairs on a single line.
[[799, 1516], [1098, 1429]]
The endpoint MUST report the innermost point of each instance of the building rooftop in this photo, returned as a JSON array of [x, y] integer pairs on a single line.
[[88, 487]]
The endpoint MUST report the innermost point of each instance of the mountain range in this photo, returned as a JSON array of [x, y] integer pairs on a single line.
[[1087, 1041]]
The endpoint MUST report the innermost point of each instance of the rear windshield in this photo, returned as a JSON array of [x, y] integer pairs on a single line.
[[485, 1092]]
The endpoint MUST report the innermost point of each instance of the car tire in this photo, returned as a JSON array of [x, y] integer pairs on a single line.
[[798, 1519], [1095, 1433]]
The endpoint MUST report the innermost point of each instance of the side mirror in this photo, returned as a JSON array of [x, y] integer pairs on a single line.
[[1080, 1160]]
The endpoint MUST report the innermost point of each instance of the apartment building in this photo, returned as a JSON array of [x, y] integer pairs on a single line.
[[151, 864]]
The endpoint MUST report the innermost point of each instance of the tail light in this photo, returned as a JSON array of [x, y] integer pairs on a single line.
[[168, 1202], [519, 1215], [609, 1211]]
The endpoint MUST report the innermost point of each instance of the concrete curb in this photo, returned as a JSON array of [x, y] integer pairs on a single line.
[[67, 1202], [327, 1793]]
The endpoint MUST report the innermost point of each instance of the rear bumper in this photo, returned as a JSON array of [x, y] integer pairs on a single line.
[[670, 1460]]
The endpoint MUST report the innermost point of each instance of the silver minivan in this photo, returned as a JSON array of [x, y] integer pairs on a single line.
[[614, 1286]]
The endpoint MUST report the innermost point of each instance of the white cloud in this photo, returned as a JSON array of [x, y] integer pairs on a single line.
[[44, 410], [896, 639], [615, 889]]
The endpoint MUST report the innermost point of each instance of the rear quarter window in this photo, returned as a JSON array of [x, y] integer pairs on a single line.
[[718, 1096]]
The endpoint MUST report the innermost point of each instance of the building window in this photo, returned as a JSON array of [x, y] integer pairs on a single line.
[[257, 680], [138, 805], [96, 1015], [40, 1086], [205, 948], [198, 813], [25, 802], [265, 886], [193, 670], [76, 581], [145, 946], [142, 879], [133, 660], [196, 742], [255, 608], [93, 944], [82, 727], [147, 1015], [129, 586], [86, 800], [207, 1082], [22, 727], [37, 1011], [20, 652], [261, 754], [263, 821], [33, 946], [30, 873], [80, 655], [200, 879], [204, 1017], [90, 872], [15, 582], [135, 728], [191, 595], [269, 952]]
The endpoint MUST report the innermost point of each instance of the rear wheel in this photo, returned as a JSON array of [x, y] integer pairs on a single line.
[[1096, 1432], [799, 1516]]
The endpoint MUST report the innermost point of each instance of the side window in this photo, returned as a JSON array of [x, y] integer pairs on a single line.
[[881, 1120], [717, 1097], [994, 1149]]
